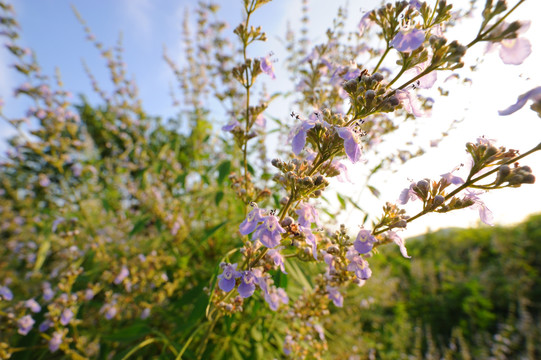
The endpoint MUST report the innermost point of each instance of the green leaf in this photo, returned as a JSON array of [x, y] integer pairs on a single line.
[[130, 333], [342, 201], [219, 196], [223, 170], [139, 225]]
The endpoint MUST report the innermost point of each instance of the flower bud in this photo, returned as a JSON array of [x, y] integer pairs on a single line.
[[370, 94], [438, 200], [350, 86], [529, 179], [393, 100], [317, 193], [276, 163], [319, 180], [288, 220], [377, 76], [284, 200]]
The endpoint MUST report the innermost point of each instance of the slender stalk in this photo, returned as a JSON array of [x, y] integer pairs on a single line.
[[465, 185]]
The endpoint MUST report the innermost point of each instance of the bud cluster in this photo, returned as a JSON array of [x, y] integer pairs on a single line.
[[368, 93], [295, 175]]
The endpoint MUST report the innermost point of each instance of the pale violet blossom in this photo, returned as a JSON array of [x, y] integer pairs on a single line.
[[534, 95]]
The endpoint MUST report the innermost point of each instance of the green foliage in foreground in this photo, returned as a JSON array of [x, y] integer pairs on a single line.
[[466, 294]]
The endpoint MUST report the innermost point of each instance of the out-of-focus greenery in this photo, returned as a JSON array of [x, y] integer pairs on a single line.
[[466, 294]]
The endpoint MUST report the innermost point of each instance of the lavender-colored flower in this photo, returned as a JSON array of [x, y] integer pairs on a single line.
[[25, 324], [485, 214], [307, 215], [515, 51], [32, 305], [365, 23], [231, 125], [44, 180], [351, 146], [400, 242], [55, 341], [252, 219], [299, 139], [358, 265], [89, 294], [5, 293], [335, 296], [310, 240], [416, 4], [227, 278], [364, 242], [247, 284], [276, 296], [453, 179], [277, 258], [145, 313], [45, 325], [534, 95], [110, 310], [66, 316], [48, 293], [269, 232], [409, 102], [57, 222], [261, 121], [408, 194], [427, 81], [267, 67], [343, 169], [329, 260], [124, 273], [408, 40]]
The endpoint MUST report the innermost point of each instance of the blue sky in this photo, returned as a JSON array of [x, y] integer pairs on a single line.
[[51, 29]]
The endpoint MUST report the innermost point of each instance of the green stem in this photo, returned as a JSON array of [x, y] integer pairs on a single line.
[[381, 59]]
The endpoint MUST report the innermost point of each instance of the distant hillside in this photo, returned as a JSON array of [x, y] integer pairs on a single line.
[[465, 294]]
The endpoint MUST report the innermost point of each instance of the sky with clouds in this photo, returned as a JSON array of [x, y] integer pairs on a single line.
[[51, 29]]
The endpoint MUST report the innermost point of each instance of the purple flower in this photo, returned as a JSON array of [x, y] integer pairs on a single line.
[[299, 139], [55, 341], [534, 95], [89, 294], [250, 223], [25, 324], [124, 272], [48, 293], [335, 296], [110, 310], [231, 125], [228, 276], [267, 67], [32, 305], [247, 284], [276, 296], [400, 242], [5, 293], [364, 242], [365, 23], [310, 240], [66, 316], [45, 325], [343, 169], [427, 81], [407, 41], [277, 258], [44, 180], [307, 215], [352, 148], [453, 179], [261, 121], [408, 194], [515, 51], [416, 4], [484, 213], [409, 102], [145, 313], [269, 232], [358, 265]]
